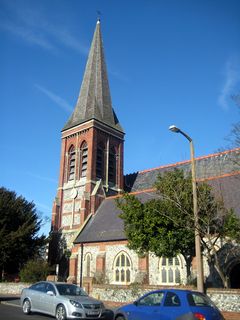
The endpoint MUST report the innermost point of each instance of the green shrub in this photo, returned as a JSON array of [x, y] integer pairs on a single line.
[[35, 270]]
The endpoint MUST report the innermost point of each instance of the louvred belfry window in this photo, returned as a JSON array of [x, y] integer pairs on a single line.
[[71, 163], [99, 162], [112, 166], [84, 159]]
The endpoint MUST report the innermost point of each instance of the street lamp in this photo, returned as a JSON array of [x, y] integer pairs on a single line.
[[195, 211]]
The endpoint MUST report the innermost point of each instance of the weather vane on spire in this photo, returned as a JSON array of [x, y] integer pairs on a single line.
[[98, 15]]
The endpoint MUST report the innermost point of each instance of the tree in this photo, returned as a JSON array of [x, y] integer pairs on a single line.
[[150, 228], [35, 270], [58, 253], [165, 225], [19, 227]]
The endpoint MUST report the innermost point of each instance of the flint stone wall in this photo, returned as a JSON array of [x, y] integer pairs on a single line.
[[225, 299], [12, 288]]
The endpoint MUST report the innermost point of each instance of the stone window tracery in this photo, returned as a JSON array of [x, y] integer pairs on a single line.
[[122, 268], [170, 270], [88, 259]]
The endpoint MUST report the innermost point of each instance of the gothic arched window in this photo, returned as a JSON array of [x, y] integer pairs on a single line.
[[122, 268], [170, 270], [84, 159], [112, 166], [100, 162], [88, 259], [71, 163]]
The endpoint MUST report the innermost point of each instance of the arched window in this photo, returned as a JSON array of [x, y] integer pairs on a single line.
[[112, 166], [122, 268], [88, 264], [170, 270], [100, 162], [71, 163], [84, 159]]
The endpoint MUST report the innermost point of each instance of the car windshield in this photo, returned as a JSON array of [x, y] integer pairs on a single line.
[[70, 290]]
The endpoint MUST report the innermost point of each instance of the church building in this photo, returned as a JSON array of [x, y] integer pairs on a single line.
[[91, 177]]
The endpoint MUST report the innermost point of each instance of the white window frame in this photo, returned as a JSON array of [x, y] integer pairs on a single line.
[[170, 270], [122, 268]]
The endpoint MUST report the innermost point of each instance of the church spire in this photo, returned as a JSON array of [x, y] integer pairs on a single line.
[[94, 101]]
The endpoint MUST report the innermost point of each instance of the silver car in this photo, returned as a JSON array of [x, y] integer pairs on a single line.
[[62, 300]]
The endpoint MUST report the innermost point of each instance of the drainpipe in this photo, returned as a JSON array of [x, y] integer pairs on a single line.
[[81, 266], [107, 164]]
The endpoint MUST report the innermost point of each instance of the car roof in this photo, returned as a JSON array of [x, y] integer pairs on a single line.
[[58, 282], [181, 291]]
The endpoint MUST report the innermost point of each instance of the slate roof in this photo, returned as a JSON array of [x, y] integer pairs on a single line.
[[106, 225], [94, 101], [227, 188], [220, 170], [214, 165]]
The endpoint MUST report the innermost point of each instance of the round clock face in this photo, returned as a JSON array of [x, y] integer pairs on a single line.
[[74, 193]]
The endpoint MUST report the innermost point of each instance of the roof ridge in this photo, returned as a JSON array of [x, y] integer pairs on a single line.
[[185, 161], [231, 174]]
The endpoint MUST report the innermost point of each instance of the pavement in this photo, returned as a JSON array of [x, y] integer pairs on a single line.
[[14, 300]]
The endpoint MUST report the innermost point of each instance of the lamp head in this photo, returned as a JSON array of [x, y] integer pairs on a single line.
[[173, 128]]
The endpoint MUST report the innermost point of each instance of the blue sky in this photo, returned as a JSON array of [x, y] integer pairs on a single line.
[[169, 62]]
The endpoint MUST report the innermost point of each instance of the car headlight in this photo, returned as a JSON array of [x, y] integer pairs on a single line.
[[75, 304]]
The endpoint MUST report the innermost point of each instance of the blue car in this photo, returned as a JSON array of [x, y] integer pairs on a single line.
[[172, 304]]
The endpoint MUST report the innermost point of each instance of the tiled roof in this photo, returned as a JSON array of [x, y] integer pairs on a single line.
[[227, 188], [220, 170], [213, 165], [106, 225], [94, 101]]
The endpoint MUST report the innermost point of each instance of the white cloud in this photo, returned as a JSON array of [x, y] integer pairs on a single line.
[[32, 25], [43, 207], [28, 35], [232, 78], [39, 177], [67, 39], [55, 98], [119, 76]]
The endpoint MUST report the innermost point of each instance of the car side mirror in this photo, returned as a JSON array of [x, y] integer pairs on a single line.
[[50, 293], [136, 303]]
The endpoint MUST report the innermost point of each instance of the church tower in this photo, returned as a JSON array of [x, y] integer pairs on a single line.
[[91, 165]]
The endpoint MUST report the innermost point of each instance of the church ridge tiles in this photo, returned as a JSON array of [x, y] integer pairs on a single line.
[[94, 101], [175, 164], [217, 165]]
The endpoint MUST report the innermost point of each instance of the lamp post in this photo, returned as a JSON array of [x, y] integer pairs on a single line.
[[199, 263]]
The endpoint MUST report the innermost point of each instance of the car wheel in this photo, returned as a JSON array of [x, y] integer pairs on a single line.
[[26, 306], [120, 317], [61, 313]]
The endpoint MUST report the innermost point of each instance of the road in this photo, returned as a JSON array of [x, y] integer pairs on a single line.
[[13, 312], [10, 310]]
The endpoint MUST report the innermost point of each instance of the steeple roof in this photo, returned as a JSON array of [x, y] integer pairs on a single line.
[[94, 101]]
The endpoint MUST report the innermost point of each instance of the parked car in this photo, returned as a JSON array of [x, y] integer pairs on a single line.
[[62, 300], [170, 305]]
